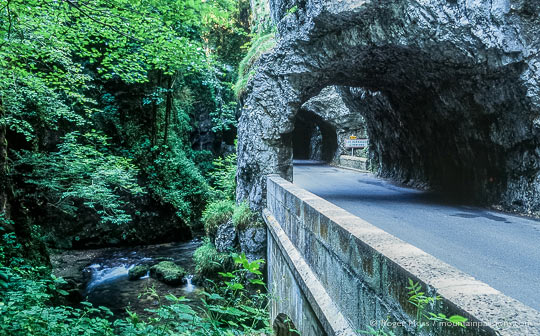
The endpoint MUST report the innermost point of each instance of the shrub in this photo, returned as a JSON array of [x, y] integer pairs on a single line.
[[208, 261], [243, 217], [203, 160], [240, 299], [215, 214], [26, 296], [83, 171], [223, 177], [176, 180]]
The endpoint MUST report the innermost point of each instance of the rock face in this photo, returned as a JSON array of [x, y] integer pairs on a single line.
[[449, 91], [226, 239], [253, 242], [329, 109]]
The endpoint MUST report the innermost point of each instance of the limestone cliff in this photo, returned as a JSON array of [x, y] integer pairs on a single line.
[[449, 90]]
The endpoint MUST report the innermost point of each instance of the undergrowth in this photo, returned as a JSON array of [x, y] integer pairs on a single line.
[[208, 261], [236, 305], [243, 217], [216, 214]]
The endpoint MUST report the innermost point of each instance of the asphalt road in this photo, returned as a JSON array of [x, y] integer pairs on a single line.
[[499, 249]]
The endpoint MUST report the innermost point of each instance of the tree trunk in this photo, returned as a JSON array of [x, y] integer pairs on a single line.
[[153, 136], [168, 109], [4, 178]]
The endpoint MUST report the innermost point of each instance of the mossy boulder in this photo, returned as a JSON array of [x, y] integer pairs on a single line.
[[138, 272], [168, 272]]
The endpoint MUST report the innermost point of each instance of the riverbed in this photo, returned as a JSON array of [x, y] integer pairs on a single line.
[[101, 275]]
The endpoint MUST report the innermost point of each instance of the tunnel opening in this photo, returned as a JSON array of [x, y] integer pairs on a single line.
[[313, 138], [457, 118], [439, 129], [440, 139]]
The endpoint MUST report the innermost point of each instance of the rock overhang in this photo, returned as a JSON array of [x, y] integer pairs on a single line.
[[448, 89]]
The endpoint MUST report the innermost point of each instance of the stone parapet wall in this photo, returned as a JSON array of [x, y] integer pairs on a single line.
[[296, 290], [365, 271], [354, 162]]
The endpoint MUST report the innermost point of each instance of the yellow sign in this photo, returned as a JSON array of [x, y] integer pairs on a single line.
[[353, 137]]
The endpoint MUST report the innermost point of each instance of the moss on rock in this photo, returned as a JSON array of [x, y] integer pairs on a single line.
[[168, 272], [138, 272]]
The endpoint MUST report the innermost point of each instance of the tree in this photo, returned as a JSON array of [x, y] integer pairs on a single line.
[[134, 72]]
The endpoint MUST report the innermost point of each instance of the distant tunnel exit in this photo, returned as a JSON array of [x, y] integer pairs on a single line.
[[313, 138]]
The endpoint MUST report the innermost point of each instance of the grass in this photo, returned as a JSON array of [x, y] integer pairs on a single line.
[[215, 214], [243, 217], [260, 45]]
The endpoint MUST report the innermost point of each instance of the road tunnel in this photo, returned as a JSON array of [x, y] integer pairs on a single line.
[[445, 108], [313, 138]]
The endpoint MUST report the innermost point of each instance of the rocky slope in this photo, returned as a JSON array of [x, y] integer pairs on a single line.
[[449, 90]]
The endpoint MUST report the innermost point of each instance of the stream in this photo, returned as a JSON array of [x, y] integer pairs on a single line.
[[101, 275]]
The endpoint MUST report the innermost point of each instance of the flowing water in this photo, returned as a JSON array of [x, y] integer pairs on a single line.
[[102, 275]]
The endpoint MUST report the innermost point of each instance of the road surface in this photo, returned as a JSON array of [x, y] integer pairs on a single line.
[[499, 249]]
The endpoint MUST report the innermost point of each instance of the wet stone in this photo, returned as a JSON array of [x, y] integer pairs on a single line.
[[168, 272], [138, 272]]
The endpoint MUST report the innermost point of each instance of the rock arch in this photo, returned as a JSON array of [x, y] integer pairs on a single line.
[[449, 91]]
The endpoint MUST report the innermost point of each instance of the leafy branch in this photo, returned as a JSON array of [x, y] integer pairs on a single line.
[[105, 24], [421, 301]]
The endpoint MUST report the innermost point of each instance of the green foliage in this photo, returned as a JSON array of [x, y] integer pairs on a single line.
[[259, 45], [26, 297], [83, 171], [223, 177], [215, 214], [261, 20], [230, 308], [208, 261], [25, 246], [236, 306], [243, 217], [239, 301], [203, 160], [176, 180], [242, 82], [99, 99], [219, 82], [136, 72], [10, 247], [421, 301]]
